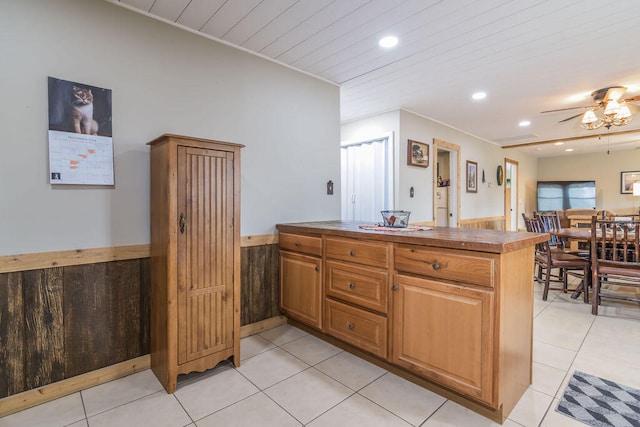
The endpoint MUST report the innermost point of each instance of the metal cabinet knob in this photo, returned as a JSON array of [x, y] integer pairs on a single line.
[[395, 287], [297, 244], [317, 268], [436, 266], [350, 326], [352, 252], [352, 286]]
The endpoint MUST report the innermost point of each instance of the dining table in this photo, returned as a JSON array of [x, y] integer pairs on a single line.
[[583, 234], [573, 233]]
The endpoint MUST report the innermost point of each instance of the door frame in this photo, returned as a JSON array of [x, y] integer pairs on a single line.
[[508, 209], [454, 180]]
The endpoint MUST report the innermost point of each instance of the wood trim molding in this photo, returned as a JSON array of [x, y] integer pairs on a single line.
[[573, 138], [261, 326], [39, 260], [480, 220], [34, 261], [27, 399], [259, 240]]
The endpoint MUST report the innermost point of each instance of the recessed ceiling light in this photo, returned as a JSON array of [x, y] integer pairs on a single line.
[[524, 123], [558, 143], [569, 149], [479, 95], [388, 41]]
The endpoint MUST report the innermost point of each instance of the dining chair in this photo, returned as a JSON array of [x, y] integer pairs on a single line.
[[540, 259], [551, 222], [615, 260], [548, 259]]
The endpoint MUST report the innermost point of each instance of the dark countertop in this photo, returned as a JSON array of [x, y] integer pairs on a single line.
[[444, 237]]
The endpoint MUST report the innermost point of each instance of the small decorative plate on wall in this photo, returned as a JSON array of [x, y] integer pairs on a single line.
[[499, 175]]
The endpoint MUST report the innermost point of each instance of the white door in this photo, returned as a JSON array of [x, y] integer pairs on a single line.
[[366, 179]]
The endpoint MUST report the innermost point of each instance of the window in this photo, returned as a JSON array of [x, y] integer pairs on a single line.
[[559, 195]]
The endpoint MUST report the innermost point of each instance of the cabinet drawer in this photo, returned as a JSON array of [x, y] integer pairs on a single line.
[[374, 254], [300, 243], [359, 285], [460, 266], [360, 328]]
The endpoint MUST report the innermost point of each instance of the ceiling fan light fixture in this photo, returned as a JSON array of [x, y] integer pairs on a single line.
[[612, 108], [624, 112], [590, 121]]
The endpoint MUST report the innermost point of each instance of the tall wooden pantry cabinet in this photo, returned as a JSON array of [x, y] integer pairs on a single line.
[[195, 255]]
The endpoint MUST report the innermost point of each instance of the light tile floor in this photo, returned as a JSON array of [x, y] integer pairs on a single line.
[[291, 378]]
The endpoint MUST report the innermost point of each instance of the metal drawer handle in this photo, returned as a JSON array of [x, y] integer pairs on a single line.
[[183, 222], [352, 252], [436, 266], [352, 286], [350, 326]]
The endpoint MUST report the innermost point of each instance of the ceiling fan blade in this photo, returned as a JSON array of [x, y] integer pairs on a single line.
[[569, 118], [632, 99], [566, 109]]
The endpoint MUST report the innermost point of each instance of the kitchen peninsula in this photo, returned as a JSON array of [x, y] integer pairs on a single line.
[[451, 306]]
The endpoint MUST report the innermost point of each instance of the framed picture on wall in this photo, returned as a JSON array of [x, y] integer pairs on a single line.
[[472, 177], [417, 154], [627, 179]]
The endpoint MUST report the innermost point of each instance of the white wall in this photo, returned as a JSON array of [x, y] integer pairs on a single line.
[[164, 80], [487, 202], [603, 168]]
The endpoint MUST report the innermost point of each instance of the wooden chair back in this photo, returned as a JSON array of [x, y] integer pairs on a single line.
[[550, 221], [528, 222], [615, 258]]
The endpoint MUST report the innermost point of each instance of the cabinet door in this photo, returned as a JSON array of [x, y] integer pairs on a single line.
[[205, 252], [301, 288], [444, 332]]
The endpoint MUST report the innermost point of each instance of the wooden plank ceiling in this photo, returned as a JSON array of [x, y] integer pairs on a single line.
[[528, 55]]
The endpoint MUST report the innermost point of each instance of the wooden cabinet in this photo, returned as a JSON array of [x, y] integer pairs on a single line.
[[444, 332], [301, 278], [195, 255], [454, 344], [449, 307]]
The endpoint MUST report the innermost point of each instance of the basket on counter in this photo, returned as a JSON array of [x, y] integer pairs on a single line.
[[397, 219]]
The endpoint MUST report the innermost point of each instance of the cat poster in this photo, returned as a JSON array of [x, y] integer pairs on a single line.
[[80, 134]]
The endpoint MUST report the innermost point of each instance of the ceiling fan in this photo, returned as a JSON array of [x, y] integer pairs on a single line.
[[615, 111]]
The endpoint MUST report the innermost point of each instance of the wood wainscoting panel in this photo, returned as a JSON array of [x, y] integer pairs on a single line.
[[488, 223], [44, 336], [59, 319], [12, 378], [59, 322], [86, 315], [260, 283]]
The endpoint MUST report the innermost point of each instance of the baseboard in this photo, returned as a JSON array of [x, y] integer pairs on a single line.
[[27, 399], [263, 325]]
